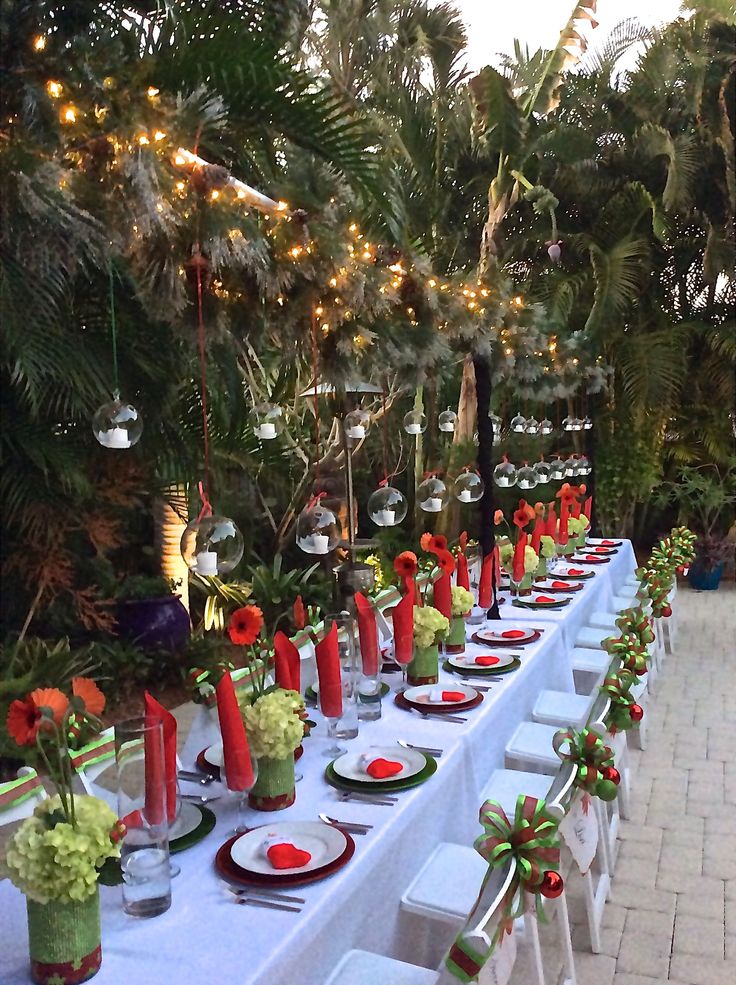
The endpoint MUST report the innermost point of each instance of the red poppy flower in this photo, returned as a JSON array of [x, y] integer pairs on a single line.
[[87, 690], [245, 625], [523, 515], [446, 561], [25, 718], [300, 614], [406, 565]]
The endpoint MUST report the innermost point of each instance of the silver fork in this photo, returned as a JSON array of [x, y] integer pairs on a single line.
[[265, 904], [191, 777], [266, 893], [376, 801], [439, 718], [429, 750], [199, 800], [354, 827]]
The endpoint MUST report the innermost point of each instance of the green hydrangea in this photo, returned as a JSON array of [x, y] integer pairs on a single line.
[[506, 554], [55, 861], [430, 626], [462, 600], [547, 546], [575, 526], [274, 725]]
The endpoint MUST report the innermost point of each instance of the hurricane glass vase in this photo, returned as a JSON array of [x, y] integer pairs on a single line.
[[275, 788], [64, 940], [425, 667]]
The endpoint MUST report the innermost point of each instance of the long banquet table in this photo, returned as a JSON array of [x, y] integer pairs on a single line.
[[205, 938]]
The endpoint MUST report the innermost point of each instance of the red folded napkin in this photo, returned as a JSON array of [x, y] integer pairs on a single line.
[[168, 774], [539, 529], [288, 856], [367, 633], [443, 595], [454, 696], [463, 578], [403, 620], [608, 543], [552, 523], [518, 569], [562, 533], [288, 671], [575, 571], [485, 590], [588, 507], [576, 508], [235, 750], [328, 671], [560, 584], [601, 550], [544, 598], [487, 661], [379, 768], [513, 634], [154, 810], [591, 557]]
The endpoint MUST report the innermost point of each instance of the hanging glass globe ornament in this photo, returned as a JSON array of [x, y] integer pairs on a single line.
[[518, 424], [543, 471], [504, 474], [357, 423], [317, 530], [583, 466], [571, 468], [267, 421], [415, 422], [447, 421], [526, 477], [568, 424], [117, 424], [497, 425], [546, 427], [469, 487], [432, 495], [532, 426], [557, 468], [387, 506], [212, 545], [577, 424], [587, 423]]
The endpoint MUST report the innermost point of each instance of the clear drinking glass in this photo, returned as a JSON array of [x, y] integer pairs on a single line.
[[346, 726], [240, 798], [144, 850]]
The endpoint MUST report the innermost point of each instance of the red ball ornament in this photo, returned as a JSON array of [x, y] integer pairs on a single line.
[[552, 884], [667, 610], [612, 774], [636, 712]]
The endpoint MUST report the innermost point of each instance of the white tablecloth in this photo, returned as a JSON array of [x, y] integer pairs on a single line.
[[205, 938]]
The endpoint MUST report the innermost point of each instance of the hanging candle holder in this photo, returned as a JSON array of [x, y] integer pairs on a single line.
[[543, 471], [387, 506], [532, 426], [557, 468], [267, 421], [518, 424], [432, 495], [469, 487], [212, 545], [497, 425], [447, 421], [526, 477], [587, 424], [546, 427], [571, 467], [577, 424], [357, 423], [504, 474], [117, 424], [568, 424], [317, 529], [584, 467], [415, 422]]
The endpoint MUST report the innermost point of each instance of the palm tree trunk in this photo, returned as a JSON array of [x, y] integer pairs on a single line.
[[170, 514]]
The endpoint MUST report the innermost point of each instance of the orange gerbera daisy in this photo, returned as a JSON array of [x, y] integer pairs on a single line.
[[539, 509], [405, 564], [424, 541], [245, 625], [446, 561], [498, 517], [300, 615], [26, 717], [87, 690]]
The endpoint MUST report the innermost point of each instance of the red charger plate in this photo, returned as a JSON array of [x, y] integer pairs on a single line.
[[502, 642], [401, 701], [231, 872]]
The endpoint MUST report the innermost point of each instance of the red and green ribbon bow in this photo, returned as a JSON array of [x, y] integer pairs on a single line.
[[635, 622], [629, 651], [593, 758], [618, 688]]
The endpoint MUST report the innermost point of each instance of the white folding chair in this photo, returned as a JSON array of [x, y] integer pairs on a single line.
[[92, 762], [20, 797]]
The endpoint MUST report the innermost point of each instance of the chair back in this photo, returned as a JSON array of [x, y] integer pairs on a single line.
[[20, 797]]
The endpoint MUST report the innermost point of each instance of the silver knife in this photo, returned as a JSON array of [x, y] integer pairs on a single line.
[[250, 901], [266, 894]]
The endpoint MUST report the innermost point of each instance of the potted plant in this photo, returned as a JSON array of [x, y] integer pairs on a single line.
[[150, 612], [705, 497]]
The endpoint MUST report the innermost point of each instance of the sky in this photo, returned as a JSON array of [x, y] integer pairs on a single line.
[[493, 24]]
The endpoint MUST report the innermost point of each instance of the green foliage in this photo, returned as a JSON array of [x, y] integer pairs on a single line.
[[145, 587], [275, 590], [705, 497]]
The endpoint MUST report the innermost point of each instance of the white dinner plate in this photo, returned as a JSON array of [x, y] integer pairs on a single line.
[[464, 660], [323, 842], [189, 819], [348, 765], [420, 695], [213, 755], [496, 635], [545, 585]]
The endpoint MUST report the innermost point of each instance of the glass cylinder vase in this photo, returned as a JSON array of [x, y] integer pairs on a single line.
[[541, 571], [64, 940], [275, 788], [425, 667], [455, 642]]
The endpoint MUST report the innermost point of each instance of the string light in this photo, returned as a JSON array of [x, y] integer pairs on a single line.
[[333, 281], [283, 206], [39, 42], [214, 195], [152, 92], [54, 89], [143, 139], [69, 115], [159, 135]]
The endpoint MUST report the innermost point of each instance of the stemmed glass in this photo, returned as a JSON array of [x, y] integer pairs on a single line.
[[240, 798], [345, 725], [404, 665]]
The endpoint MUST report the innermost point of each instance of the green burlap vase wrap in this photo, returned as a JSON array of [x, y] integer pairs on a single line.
[[425, 667], [523, 587], [580, 541], [565, 550], [541, 571], [275, 787], [455, 642], [64, 940]]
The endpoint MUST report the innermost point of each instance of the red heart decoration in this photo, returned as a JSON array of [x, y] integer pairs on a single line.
[[559, 584], [513, 634], [379, 769], [287, 856], [487, 661], [454, 696], [575, 571], [544, 598]]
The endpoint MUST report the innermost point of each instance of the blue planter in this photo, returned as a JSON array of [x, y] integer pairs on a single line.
[[702, 580], [161, 623]]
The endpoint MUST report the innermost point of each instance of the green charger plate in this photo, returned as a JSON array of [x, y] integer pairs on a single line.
[[483, 672], [520, 604], [388, 786], [311, 695], [585, 575], [201, 831]]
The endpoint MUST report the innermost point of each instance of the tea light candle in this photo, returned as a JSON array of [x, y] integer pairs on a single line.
[[465, 496], [447, 426], [432, 505], [356, 432], [385, 518], [114, 438], [266, 431], [413, 429], [320, 543], [207, 563]]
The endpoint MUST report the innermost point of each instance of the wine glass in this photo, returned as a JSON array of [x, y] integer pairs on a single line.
[[240, 797]]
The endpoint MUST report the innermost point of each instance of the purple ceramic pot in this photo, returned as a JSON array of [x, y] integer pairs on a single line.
[[158, 623]]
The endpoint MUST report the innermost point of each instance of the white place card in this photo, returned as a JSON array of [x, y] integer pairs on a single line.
[[497, 969], [580, 831]]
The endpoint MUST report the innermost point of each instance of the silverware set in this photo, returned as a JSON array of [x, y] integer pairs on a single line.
[[191, 777], [377, 800], [435, 717], [352, 827], [268, 899], [198, 799]]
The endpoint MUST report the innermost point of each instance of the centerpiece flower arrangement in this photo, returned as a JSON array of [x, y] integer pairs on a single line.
[[462, 603], [59, 855], [430, 629], [572, 522], [518, 557], [275, 727]]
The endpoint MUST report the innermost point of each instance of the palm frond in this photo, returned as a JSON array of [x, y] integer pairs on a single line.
[[619, 278]]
